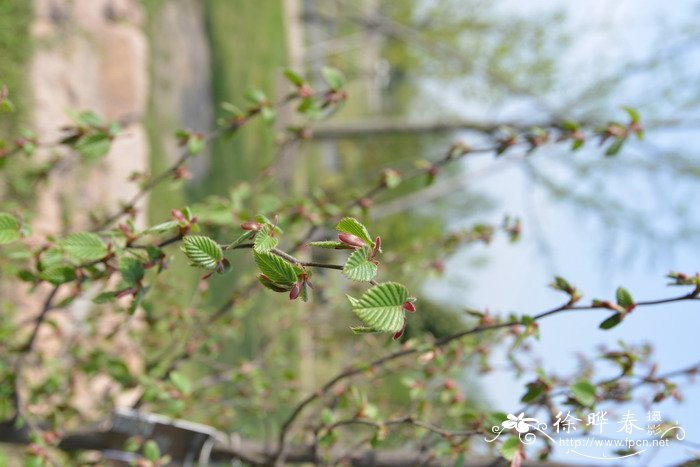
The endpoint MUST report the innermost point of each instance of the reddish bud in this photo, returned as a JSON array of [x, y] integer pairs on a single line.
[[398, 335], [365, 203], [295, 292], [351, 240], [254, 226], [409, 306]]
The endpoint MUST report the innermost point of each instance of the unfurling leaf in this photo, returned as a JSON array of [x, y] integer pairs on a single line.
[[352, 226], [276, 269], [624, 298], [202, 251], [330, 244], [381, 307], [359, 267], [333, 77], [264, 241], [612, 321]]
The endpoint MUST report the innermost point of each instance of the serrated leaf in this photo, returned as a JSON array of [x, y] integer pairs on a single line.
[[202, 251], [9, 228], [276, 269], [58, 275], [584, 393], [624, 298], [381, 307], [611, 322], [359, 267], [93, 146], [330, 244], [333, 77], [264, 241], [84, 246], [353, 226]]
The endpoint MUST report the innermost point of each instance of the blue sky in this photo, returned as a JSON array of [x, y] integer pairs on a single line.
[[606, 33]]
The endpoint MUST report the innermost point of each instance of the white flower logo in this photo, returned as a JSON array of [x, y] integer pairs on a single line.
[[520, 423]]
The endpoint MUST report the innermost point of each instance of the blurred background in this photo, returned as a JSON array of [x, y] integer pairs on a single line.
[[421, 75]]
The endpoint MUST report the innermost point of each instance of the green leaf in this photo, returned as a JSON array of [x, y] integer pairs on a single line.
[[268, 115], [195, 144], [264, 241], [87, 118], [265, 281], [104, 297], [333, 77], [202, 251], [151, 451], [633, 114], [611, 322], [181, 382], [624, 298], [256, 96], [381, 307], [131, 270], [533, 393], [293, 77], [58, 275], [615, 147], [162, 227], [359, 267], [239, 240], [84, 246], [93, 146], [276, 269], [9, 228], [353, 226], [363, 330], [330, 244], [584, 393], [510, 447]]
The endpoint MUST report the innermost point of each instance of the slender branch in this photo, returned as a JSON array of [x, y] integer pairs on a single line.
[[352, 371]]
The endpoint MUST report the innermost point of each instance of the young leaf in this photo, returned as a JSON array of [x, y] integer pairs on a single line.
[[58, 275], [202, 251], [264, 241], [363, 330], [84, 246], [9, 228], [611, 322], [584, 393], [151, 451], [358, 266], [333, 77], [181, 382], [330, 244], [381, 307], [293, 77], [239, 240], [131, 270], [93, 146], [510, 447], [624, 298], [267, 283], [276, 269], [354, 227], [615, 147]]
